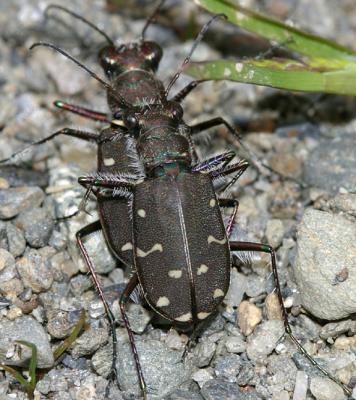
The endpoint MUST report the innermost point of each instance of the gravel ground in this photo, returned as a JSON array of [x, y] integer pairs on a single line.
[[309, 220]]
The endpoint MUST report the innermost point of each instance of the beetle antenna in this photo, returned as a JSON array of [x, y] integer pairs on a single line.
[[90, 72], [77, 16], [195, 44], [151, 18]]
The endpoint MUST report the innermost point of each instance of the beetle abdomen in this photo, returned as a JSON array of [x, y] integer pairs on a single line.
[[181, 251]]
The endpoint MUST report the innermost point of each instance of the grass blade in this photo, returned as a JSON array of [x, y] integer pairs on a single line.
[[304, 43]]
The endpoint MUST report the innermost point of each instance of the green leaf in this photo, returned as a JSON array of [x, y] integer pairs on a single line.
[[71, 338], [290, 37], [16, 374], [283, 74]]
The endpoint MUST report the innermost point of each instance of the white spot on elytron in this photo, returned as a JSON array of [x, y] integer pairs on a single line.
[[227, 72], [218, 293], [239, 67], [184, 318], [127, 246], [203, 269], [212, 239], [212, 203], [203, 315], [141, 213], [162, 301], [109, 162], [156, 247], [175, 273]]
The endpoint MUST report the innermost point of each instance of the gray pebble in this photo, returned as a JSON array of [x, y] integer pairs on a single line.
[[203, 353], [139, 317], [274, 232], [18, 176], [264, 339], [15, 200], [37, 226], [15, 239], [344, 202], [219, 389], [89, 342], [163, 368], [235, 344], [301, 386], [61, 323], [237, 289], [328, 166], [24, 328], [325, 389], [184, 395], [34, 270], [80, 283], [3, 236], [228, 367], [326, 246], [246, 374], [335, 329]]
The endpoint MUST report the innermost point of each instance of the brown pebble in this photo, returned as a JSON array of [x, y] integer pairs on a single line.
[[249, 317], [273, 308]]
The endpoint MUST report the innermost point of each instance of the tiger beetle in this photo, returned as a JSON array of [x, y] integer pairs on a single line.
[[146, 162]]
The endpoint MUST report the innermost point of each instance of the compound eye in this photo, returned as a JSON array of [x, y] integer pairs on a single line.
[[130, 121], [153, 53]]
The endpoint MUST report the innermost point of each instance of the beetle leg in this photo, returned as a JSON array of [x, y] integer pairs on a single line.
[[264, 248], [211, 163], [130, 287], [84, 112], [87, 230], [84, 135], [233, 203], [182, 94], [239, 168]]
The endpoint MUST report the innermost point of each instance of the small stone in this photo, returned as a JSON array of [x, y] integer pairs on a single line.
[[61, 323], [90, 341], [286, 164], [80, 283], [344, 203], [335, 329], [15, 239], [202, 376], [163, 368], [325, 389], [264, 339], [180, 394], [237, 289], [325, 246], [218, 389], [235, 344], [328, 166], [139, 317], [175, 341], [203, 353], [37, 226], [28, 329], [249, 317], [228, 367], [273, 308], [35, 271], [15, 200], [274, 232], [7, 261], [301, 386], [256, 285], [282, 395], [13, 313]]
